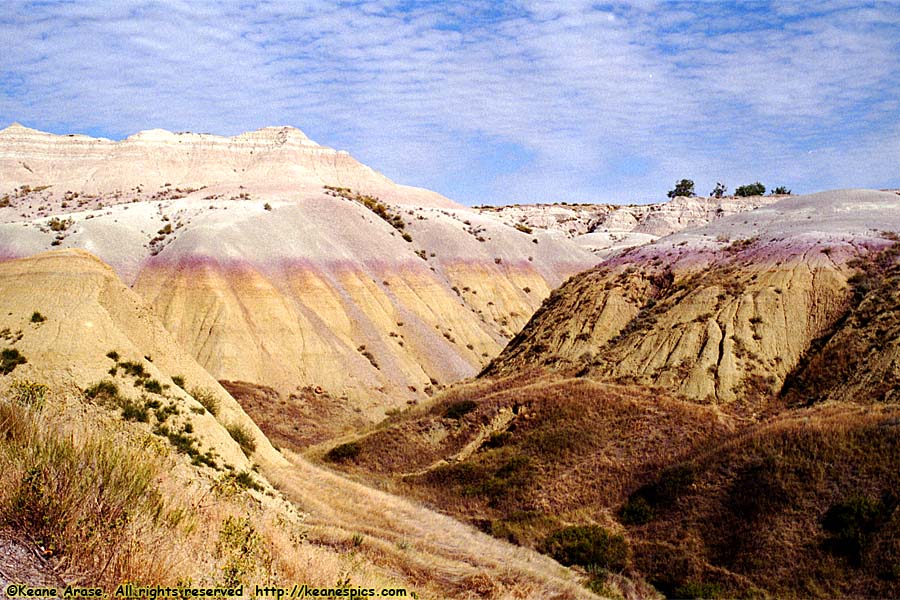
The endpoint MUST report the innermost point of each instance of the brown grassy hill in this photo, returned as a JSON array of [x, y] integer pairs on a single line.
[[708, 504]]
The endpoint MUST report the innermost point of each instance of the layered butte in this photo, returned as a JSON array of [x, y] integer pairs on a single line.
[[268, 161], [291, 269]]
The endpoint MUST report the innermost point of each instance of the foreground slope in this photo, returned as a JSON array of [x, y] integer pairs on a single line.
[[193, 499]]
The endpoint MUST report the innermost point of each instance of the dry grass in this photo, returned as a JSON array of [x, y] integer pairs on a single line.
[[116, 504], [733, 507], [572, 451], [440, 556], [751, 519]]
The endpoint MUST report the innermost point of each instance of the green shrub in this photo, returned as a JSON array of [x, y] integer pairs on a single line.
[[685, 187], [587, 545], [642, 504], [242, 435], [241, 549], [696, 589], [636, 511], [37, 317], [851, 523], [178, 380], [153, 386], [752, 189], [523, 228], [719, 191], [103, 390], [113, 355], [28, 393], [10, 358], [344, 452], [781, 191], [459, 409]]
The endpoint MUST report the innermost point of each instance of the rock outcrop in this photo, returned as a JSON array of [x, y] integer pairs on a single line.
[[273, 160], [377, 295], [607, 228]]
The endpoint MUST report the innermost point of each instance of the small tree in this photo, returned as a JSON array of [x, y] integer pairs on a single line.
[[719, 191], [685, 187], [781, 191], [752, 189]]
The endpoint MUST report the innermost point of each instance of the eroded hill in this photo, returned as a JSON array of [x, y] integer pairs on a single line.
[[121, 460], [720, 404]]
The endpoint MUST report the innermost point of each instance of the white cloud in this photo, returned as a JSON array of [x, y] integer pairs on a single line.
[[427, 94]]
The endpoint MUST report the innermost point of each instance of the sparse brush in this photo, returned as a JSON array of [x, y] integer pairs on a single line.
[[10, 358], [103, 391], [207, 399], [243, 436]]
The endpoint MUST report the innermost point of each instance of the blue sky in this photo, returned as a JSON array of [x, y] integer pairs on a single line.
[[488, 102]]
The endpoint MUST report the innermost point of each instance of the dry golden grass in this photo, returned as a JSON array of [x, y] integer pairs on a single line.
[[437, 555], [116, 504]]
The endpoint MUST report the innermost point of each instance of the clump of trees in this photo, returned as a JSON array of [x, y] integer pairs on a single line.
[[752, 189], [685, 187]]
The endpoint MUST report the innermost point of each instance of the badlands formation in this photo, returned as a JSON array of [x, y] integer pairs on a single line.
[[726, 400], [258, 258], [719, 313]]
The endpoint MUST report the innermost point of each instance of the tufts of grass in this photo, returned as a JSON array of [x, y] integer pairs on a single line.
[[207, 400], [135, 369], [243, 436], [85, 498], [132, 411], [10, 358], [103, 390], [37, 317], [153, 386]]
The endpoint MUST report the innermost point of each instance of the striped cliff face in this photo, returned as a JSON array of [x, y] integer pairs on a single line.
[[722, 313], [321, 293]]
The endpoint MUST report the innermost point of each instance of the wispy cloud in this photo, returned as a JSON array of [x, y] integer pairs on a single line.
[[487, 102]]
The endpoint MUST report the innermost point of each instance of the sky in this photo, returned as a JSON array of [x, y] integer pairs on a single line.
[[487, 102]]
